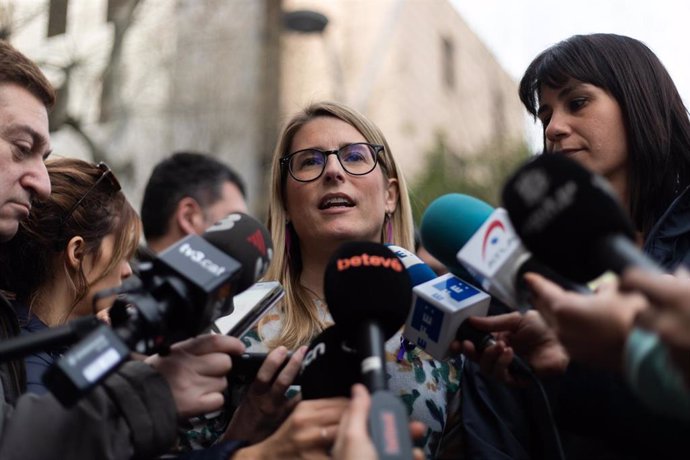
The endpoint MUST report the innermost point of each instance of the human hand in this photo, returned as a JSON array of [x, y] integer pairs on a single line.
[[592, 328], [525, 334], [104, 316], [307, 433], [196, 370], [669, 312], [264, 406], [352, 441]]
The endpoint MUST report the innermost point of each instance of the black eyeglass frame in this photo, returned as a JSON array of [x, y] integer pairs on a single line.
[[106, 172], [376, 148]]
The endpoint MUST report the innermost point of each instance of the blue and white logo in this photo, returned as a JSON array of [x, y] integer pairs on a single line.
[[456, 289]]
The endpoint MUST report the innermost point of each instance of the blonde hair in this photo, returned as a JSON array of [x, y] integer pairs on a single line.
[[301, 320]]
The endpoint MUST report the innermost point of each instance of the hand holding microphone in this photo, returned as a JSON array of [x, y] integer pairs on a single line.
[[570, 218], [470, 237], [593, 329], [188, 286], [308, 432], [368, 293], [264, 405], [441, 306], [195, 370], [465, 232], [353, 441], [525, 334]]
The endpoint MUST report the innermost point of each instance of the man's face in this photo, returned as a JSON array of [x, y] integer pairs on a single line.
[[24, 145]]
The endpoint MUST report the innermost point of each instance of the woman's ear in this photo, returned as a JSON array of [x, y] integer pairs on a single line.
[[392, 193], [75, 252]]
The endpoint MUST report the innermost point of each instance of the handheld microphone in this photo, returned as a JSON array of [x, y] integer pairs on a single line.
[[330, 367], [49, 339], [422, 329], [188, 286], [571, 219], [440, 304], [462, 229], [368, 293], [192, 283]]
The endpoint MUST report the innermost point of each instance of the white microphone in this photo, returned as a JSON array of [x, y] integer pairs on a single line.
[[439, 305], [494, 256]]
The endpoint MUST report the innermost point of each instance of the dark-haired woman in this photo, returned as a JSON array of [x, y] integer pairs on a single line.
[[607, 102]]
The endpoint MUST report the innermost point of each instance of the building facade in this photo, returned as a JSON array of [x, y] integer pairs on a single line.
[[142, 78]]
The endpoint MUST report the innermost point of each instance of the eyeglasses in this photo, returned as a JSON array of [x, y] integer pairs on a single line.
[[106, 174], [356, 159]]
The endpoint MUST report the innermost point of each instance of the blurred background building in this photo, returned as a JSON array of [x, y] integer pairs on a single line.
[[139, 79]]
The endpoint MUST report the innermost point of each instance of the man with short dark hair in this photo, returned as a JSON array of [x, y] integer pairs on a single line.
[[186, 194], [134, 412]]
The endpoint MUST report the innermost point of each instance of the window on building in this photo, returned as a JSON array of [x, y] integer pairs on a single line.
[[448, 62], [57, 17]]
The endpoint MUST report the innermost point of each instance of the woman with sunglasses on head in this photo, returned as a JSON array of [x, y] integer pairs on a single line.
[[607, 102], [74, 244], [335, 180]]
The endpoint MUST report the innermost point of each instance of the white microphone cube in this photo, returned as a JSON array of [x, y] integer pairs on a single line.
[[439, 306]]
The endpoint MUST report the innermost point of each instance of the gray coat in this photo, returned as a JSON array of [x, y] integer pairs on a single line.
[[130, 415]]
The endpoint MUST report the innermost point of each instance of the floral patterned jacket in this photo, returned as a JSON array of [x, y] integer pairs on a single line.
[[430, 389]]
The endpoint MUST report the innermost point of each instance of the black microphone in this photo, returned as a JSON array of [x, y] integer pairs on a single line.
[[571, 219], [330, 367], [49, 339], [187, 287], [192, 283], [369, 294]]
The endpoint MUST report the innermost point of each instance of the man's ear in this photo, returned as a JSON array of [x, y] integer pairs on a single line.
[[189, 217], [75, 252]]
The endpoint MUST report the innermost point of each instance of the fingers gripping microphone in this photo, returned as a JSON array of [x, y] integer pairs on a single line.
[[571, 219], [368, 293], [186, 287], [462, 229]]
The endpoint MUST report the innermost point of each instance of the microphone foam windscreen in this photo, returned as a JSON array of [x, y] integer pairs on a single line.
[[449, 222], [560, 210], [246, 240], [329, 368], [365, 281]]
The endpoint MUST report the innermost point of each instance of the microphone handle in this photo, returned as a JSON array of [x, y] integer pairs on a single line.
[[621, 253], [371, 348], [532, 265], [48, 339], [388, 427]]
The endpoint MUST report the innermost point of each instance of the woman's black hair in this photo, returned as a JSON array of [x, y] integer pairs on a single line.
[[655, 118]]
